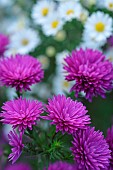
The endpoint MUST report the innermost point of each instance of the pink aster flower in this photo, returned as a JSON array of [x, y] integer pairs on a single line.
[[62, 166], [4, 41], [18, 166], [21, 113], [20, 71], [16, 142], [91, 72], [91, 150], [109, 140], [66, 114]]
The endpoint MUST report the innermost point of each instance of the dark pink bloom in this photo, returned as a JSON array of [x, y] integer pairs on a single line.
[[16, 142], [21, 113], [91, 72], [62, 166], [20, 71], [4, 41], [66, 114], [109, 140], [18, 166], [91, 150]]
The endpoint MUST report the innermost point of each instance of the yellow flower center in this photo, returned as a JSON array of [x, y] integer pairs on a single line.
[[25, 42], [65, 84], [100, 27], [70, 11], [45, 11], [54, 24], [111, 5]]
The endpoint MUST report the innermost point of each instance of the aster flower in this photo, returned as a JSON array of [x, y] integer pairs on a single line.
[[24, 41], [109, 140], [99, 26], [66, 114], [90, 149], [21, 113], [20, 71], [62, 166], [91, 72], [18, 166], [4, 41], [108, 4], [16, 142]]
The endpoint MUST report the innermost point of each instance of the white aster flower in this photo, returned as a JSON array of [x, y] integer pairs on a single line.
[[24, 41], [60, 85], [42, 10], [109, 54], [109, 4], [69, 10], [90, 42], [99, 26], [60, 61], [83, 15], [19, 24], [52, 25]]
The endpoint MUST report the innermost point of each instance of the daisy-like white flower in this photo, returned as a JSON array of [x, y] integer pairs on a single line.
[[21, 113], [16, 142], [99, 26], [42, 10], [109, 4], [90, 42], [69, 10], [53, 25], [24, 41]]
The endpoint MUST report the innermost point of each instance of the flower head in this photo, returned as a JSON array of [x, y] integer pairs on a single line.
[[20, 71], [109, 140], [16, 142], [66, 114], [4, 41], [90, 149], [21, 113], [99, 26], [24, 41], [91, 72], [61, 166], [18, 166]]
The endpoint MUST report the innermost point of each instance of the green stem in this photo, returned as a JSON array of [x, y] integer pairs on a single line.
[[18, 94]]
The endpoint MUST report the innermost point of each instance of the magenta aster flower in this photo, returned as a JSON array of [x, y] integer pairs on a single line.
[[18, 166], [66, 114], [16, 142], [20, 71], [4, 41], [62, 166], [90, 149], [109, 140], [91, 72], [21, 113]]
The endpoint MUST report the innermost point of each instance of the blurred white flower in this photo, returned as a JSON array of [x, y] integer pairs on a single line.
[[11, 93], [5, 3], [60, 61], [83, 15], [100, 3], [42, 10], [89, 42], [24, 41], [109, 54], [52, 25], [60, 85], [19, 24], [109, 4], [99, 26], [69, 10], [88, 3]]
